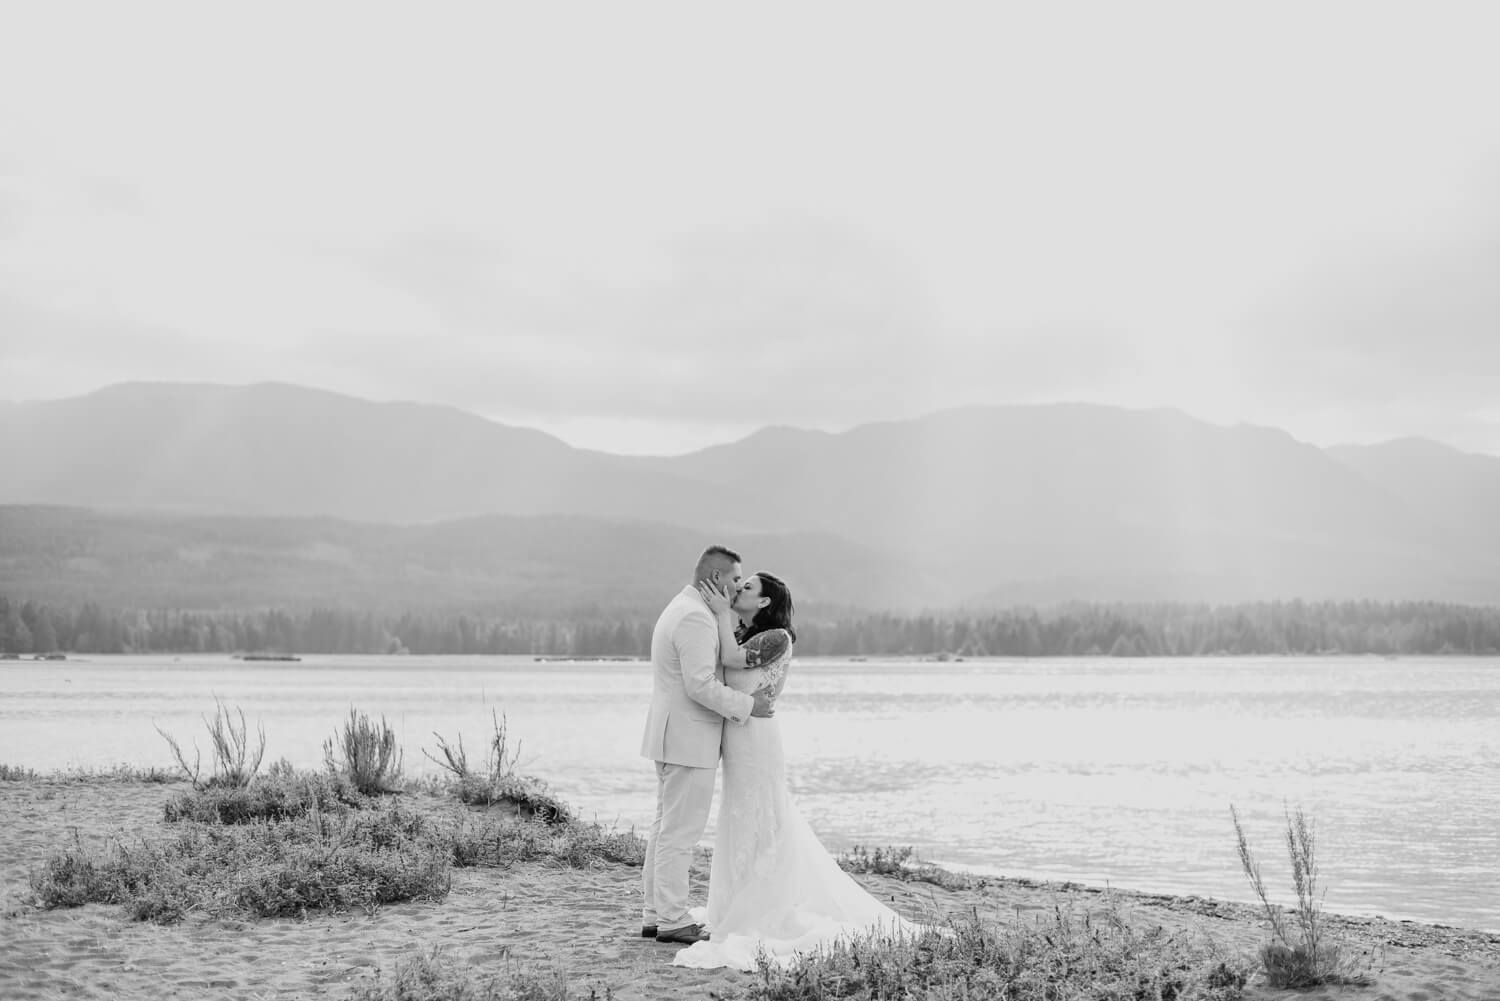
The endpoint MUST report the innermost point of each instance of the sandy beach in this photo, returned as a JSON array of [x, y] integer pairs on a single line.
[[583, 923]]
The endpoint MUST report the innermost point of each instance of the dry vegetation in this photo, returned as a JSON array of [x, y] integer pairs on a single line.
[[430, 976], [366, 754], [286, 842], [1059, 958], [500, 784], [251, 843], [1301, 952], [234, 762]]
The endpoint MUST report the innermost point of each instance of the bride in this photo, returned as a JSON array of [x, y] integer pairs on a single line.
[[772, 885]]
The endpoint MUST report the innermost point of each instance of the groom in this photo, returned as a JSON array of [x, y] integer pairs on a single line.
[[689, 704]]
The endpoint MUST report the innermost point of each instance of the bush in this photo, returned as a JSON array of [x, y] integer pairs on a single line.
[[491, 841], [367, 755], [608, 844], [500, 761], [15, 773], [430, 977], [234, 763], [902, 864], [72, 878], [527, 796], [281, 795], [1306, 956], [291, 843], [316, 861], [1062, 957]]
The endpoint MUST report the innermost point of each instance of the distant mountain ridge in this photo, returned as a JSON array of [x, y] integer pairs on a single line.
[[547, 566], [278, 450], [1456, 494], [999, 504]]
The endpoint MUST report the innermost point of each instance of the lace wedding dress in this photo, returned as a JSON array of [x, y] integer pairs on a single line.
[[772, 885]]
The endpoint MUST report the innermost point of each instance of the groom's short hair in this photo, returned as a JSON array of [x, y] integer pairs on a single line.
[[713, 558]]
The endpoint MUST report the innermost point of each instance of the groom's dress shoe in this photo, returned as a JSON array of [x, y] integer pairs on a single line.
[[687, 935], [648, 931]]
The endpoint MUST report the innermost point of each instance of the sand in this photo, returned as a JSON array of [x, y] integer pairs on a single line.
[[583, 923]]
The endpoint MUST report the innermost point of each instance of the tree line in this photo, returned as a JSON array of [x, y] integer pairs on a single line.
[[1078, 630]]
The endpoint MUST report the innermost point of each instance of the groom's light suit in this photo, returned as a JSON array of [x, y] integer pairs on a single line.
[[689, 704]]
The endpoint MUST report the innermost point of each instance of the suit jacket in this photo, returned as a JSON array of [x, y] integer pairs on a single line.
[[689, 700]]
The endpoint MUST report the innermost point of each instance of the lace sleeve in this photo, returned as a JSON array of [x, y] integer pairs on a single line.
[[769, 651]]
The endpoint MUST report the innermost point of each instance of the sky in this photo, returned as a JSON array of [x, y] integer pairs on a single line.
[[651, 227]]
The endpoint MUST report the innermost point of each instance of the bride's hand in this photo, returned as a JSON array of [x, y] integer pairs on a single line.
[[718, 599]]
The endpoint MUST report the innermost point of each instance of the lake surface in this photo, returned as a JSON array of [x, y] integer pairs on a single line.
[[1099, 771]]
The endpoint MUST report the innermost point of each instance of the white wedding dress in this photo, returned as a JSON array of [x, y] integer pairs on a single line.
[[772, 885]]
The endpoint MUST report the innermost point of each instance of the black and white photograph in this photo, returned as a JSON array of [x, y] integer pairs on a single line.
[[784, 502]]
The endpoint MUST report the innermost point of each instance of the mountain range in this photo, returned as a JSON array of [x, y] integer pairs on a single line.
[[254, 494]]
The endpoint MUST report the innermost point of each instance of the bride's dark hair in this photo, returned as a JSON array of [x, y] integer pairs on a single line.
[[777, 615]]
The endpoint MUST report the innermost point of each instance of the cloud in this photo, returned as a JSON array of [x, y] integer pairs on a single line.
[[794, 320], [1390, 336], [697, 220], [785, 312]]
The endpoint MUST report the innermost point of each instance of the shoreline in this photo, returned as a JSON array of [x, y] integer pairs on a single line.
[[580, 921], [1032, 878], [122, 773], [422, 771]]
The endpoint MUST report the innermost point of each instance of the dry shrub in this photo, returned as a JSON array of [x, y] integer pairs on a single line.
[[234, 761], [366, 754], [1301, 952]]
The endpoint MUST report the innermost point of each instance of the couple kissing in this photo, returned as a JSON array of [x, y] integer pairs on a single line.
[[721, 654]]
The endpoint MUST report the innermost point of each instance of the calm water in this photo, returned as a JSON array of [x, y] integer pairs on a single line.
[[1091, 770]]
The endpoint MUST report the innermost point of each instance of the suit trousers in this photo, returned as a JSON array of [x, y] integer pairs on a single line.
[[683, 797]]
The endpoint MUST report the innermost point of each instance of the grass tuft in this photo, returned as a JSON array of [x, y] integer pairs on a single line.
[[122, 773], [365, 754], [432, 977], [902, 864], [234, 761], [1301, 952], [500, 760], [527, 796], [130, 773]]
